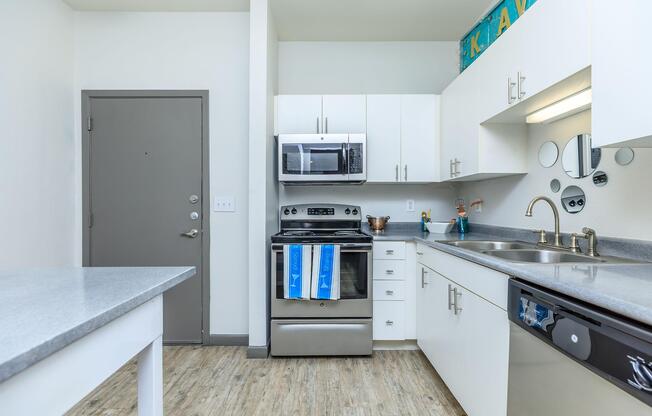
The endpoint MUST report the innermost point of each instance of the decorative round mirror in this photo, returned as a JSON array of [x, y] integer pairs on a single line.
[[579, 158], [573, 199], [624, 156], [555, 185], [548, 154], [600, 178]]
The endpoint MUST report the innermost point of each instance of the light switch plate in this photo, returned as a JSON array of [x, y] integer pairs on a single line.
[[409, 206], [224, 204]]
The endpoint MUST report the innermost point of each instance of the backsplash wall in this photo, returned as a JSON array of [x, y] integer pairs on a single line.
[[379, 199], [619, 209]]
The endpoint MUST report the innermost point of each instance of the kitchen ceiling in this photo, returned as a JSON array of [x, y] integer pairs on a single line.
[[376, 20], [160, 5]]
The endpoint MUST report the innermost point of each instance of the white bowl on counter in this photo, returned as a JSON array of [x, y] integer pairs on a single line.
[[439, 227]]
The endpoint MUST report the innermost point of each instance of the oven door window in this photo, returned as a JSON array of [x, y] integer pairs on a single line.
[[314, 159], [353, 274]]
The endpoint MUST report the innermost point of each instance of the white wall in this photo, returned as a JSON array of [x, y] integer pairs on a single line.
[[366, 67], [185, 51], [620, 209], [37, 206], [380, 199]]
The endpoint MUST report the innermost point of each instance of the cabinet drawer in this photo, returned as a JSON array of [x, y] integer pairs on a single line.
[[389, 290], [483, 281], [389, 269], [389, 250], [389, 320], [425, 256]]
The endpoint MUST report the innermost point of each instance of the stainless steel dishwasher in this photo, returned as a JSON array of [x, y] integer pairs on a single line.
[[568, 358]]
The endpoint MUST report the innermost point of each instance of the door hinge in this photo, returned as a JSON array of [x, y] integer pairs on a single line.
[[89, 123], [91, 220]]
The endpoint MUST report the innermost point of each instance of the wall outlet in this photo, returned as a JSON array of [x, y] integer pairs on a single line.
[[409, 206], [224, 204]]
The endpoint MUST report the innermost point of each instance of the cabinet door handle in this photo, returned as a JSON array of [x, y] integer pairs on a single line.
[[405, 178], [389, 252], [389, 271], [450, 298], [389, 323], [419, 253], [397, 173], [456, 296], [423, 278], [450, 167], [325, 124], [457, 165], [521, 93], [510, 91], [318, 125], [389, 292]]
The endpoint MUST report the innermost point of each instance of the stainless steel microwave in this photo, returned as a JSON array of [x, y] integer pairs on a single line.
[[322, 158]]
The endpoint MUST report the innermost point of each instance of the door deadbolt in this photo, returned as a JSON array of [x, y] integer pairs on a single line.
[[194, 215]]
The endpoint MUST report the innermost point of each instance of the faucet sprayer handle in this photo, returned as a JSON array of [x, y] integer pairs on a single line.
[[543, 239]]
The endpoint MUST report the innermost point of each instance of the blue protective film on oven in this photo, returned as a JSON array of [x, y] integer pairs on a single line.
[[296, 269], [325, 284]]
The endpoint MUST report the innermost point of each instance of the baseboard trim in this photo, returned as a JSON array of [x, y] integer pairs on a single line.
[[404, 345], [258, 351], [228, 339]]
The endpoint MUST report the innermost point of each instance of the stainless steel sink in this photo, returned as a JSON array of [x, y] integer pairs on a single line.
[[477, 245], [522, 252], [544, 256]]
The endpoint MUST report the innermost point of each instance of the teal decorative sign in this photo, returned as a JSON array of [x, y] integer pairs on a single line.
[[490, 27]]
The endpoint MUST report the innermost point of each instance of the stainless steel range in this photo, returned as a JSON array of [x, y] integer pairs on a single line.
[[324, 327]]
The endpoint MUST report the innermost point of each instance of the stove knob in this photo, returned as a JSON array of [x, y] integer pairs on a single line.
[[294, 211], [286, 212], [355, 211], [347, 211]]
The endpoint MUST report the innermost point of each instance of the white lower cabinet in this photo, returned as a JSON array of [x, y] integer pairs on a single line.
[[389, 320], [394, 291], [465, 337]]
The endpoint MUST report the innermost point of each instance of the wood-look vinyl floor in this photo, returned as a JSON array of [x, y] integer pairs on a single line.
[[215, 381]]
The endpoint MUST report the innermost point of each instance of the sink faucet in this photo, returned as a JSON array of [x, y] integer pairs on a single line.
[[528, 213]]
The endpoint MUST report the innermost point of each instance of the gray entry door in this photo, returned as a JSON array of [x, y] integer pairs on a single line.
[[145, 191]]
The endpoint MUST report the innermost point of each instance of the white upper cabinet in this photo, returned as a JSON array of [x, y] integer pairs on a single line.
[[383, 138], [298, 114], [548, 44], [622, 86], [305, 114], [343, 113], [403, 138], [420, 138], [531, 65]]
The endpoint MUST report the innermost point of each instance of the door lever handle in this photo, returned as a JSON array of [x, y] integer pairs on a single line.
[[191, 234]]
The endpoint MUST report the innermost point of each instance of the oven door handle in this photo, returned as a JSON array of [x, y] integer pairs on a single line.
[[343, 247]]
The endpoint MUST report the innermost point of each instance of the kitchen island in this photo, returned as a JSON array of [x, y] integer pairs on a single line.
[[63, 331]]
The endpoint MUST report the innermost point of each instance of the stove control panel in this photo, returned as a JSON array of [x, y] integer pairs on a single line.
[[321, 212]]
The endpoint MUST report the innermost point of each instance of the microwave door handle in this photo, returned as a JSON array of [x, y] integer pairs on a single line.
[[345, 158]]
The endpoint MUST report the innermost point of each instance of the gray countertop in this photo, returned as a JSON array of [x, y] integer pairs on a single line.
[[44, 310], [625, 289]]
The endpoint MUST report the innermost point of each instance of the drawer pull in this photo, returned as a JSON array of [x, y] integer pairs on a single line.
[[389, 323], [389, 252], [456, 296], [420, 253], [450, 300], [389, 292], [389, 271]]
